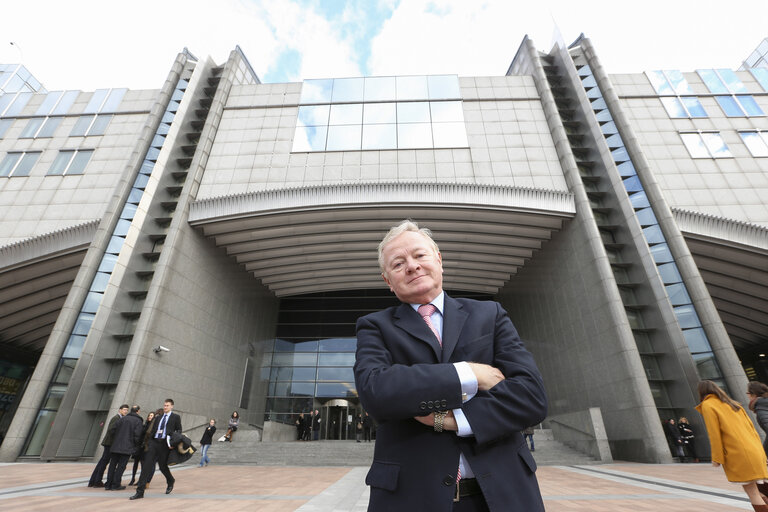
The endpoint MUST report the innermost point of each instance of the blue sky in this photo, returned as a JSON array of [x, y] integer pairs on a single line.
[[89, 44]]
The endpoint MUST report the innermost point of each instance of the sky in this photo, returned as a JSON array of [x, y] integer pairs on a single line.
[[90, 44]]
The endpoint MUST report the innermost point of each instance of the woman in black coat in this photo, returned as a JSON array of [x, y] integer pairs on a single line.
[[206, 441], [139, 453]]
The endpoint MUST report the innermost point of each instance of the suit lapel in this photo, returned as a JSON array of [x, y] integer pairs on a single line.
[[409, 321], [454, 317]]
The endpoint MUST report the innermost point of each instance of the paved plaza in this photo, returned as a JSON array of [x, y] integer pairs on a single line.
[[582, 488]]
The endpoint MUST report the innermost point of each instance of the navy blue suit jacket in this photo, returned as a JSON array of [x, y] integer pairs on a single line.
[[401, 372]]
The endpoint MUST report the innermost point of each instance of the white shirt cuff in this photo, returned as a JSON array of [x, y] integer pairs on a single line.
[[467, 379], [465, 430]]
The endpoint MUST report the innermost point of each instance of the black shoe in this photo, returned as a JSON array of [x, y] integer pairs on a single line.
[[118, 488], [137, 496], [169, 489], [107, 488], [132, 482], [98, 484]]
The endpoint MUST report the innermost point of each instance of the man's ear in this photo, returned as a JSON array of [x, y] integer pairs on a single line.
[[384, 277], [440, 260]]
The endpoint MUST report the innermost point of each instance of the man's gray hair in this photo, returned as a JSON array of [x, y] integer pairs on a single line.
[[394, 232]]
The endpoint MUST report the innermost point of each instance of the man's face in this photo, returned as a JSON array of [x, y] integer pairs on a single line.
[[123, 411], [412, 268], [167, 407]]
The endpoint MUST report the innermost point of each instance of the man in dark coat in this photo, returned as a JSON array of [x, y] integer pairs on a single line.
[[128, 430], [106, 442], [450, 385], [367, 427], [158, 448], [316, 425]]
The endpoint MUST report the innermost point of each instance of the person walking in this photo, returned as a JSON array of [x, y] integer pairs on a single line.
[[358, 427], [234, 421], [686, 433], [757, 392], [734, 441], [528, 434], [206, 441], [675, 440], [138, 455], [106, 442], [158, 447], [128, 431]]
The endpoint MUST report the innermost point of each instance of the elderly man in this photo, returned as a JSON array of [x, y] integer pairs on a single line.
[[451, 386]]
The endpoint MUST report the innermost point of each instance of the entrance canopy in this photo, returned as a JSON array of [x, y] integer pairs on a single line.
[[315, 239]]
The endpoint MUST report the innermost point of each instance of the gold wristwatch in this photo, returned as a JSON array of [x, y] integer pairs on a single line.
[[439, 418]]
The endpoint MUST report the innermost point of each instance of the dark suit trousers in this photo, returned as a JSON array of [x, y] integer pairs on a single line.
[[474, 503], [101, 466], [157, 451], [117, 463]]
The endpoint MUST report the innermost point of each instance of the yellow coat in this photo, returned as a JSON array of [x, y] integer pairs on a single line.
[[734, 441]]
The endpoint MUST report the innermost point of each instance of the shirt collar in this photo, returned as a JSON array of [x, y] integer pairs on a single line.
[[437, 302]]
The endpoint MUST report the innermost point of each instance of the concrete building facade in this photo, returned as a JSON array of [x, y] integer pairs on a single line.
[[214, 240]]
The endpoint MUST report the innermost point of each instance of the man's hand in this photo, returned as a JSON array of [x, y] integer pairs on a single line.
[[487, 375], [449, 423]]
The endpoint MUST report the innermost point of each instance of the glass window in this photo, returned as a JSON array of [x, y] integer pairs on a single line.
[[67, 100], [446, 111], [18, 104], [609, 128], [338, 345], [694, 107], [4, 125], [81, 126], [706, 366], [755, 143], [113, 100], [416, 112], [83, 324], [75, 346], [749, 105], [49, 127], [661, 254], [27, 162], [33, 125], [599, 104], [626, 169], [316, 91], [639, 200], [694, 145], [449, 135], [760, 74], [379, 89], [730, 106], [646, 217], [47, 105], [620, 155], [412, 87], [336, 390], [716, 145], [115, 244], [686, 317], [414, 135], [344, 374], [336, 359], [443, 87], [669, 273], [632, 184], [712, 81], [108, 262], [100, 125], [60, 164], [97, 98], [614, 141], [347, 90], [653, 235], [313, 115], [346, 114], [731, 81], [679, 83], [678, 295], [379, 113], [344, 138], [379, 136], [92, 302], [8, 163]]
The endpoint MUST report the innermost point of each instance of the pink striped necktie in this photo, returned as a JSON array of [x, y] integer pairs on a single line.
[[426, 311]]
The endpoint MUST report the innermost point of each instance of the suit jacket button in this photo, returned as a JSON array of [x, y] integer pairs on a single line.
[[444, 403], [431, 404], [449, 480], [423, 405]]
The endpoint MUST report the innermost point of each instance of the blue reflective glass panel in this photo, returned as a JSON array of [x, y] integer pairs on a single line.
[[129, 211], [694, 107], [134, 196], [74, 346], [4, 125], [92, 302], [115, 244], [614, 141], [336, 359], [646, 217], [152, 154], [760, 74], [415, 112], [344, 138], [626, 169], [347, 90], [8, 163], [661, 254], [589, 82], [712, 81], [653, 235], [379, 136], [338, 345], [609, 128], [678, 295], [331, 390], [313, 115], [731, 80], [716, 145], [30, 130], [755, 143], [585, 70], [316, 91], [659, 82], [47, 105], [669, 273], [18, 105], [310, 138], [168, 117], [620, 155], [603, 116], [79, 162], [49, 127], [694, 145], [380, 88], [379, 113], [679, 83], [599, 104], [632, 184], [83, 324], [113, 100], [697, 340], [81, 126], [749, 105], [294, 359], [706, 366], [730, 106], [141, 181], [288, 346], [639, 200], [346, 114], [443, 87], [673, 106], [66, 101], [686, 317], [446, 112], [122, 227], [26, 164], [336, 374], [99, 126], [97, 98], [414, 135], [108, 262], [61, 162], [412, 87]]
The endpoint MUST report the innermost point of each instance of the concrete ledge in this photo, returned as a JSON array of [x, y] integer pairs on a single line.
[[583, 431]]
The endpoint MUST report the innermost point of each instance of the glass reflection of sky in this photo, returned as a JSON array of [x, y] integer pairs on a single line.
[[412, 87], [414, 135], [380, 88], [443, 87], [344, 138], [313, 115], [446, 111], [415, 112], [316, 91], [379, 136], [379, 113], [309, 138], [347, 90], [346, 114]]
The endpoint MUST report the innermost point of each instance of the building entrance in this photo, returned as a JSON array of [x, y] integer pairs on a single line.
[[338, 420]]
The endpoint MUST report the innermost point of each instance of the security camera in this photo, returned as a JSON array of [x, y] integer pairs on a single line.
[[161, 348]]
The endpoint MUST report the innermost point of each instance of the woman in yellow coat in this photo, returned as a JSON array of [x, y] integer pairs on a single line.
[[734, 441]]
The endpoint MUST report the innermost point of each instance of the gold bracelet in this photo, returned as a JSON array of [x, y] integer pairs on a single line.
[[439, 418]]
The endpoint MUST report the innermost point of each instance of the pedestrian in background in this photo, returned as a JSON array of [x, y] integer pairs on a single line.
[[528, 434], [138, 455], [234, 421], [686, 432], [206, 441], [127, 437], [734, 441], [106, 442]]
